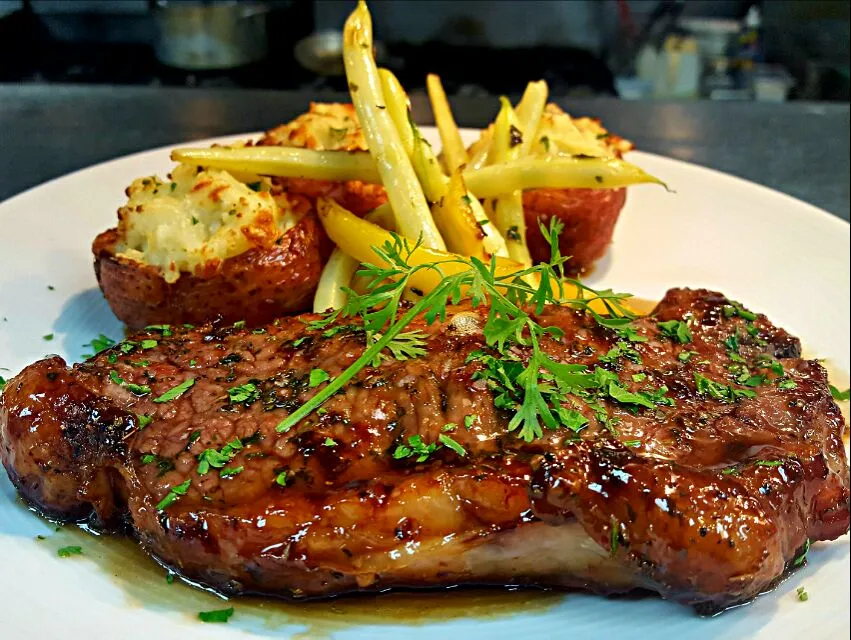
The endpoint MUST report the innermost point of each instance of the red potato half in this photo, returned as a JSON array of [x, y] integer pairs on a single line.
[[256, 286], [589, 217]]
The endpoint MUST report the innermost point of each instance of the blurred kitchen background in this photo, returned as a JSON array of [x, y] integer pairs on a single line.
[[773, 50]]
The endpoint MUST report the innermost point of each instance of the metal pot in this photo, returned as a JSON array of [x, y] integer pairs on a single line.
[[322, 53], [198, 36]]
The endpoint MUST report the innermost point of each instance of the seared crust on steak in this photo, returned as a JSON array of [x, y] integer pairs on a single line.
[[707, 502]]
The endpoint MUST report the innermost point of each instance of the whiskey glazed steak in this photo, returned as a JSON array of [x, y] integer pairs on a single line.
[[708, 497]]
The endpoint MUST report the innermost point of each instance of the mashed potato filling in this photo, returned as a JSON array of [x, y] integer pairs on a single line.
[[326, 126], [560, 135], [197, 220]]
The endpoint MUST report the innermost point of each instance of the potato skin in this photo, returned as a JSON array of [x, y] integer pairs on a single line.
[[589, 217], [256, 286]]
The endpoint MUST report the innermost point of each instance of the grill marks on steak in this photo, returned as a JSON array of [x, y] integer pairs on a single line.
[[706, 501]]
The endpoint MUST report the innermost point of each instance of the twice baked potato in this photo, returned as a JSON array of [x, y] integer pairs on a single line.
[[331, 127], [205, 245], [589, 215]]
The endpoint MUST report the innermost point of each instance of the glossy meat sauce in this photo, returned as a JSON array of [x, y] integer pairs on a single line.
[[707, 501]]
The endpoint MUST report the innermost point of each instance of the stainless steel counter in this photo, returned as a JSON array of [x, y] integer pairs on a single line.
[[47, 130]]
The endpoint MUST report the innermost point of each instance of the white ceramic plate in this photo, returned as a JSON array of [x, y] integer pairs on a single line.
[[776, 254]]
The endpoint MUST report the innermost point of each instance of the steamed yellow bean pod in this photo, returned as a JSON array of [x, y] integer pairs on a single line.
[[547, 172], [287, 162], [454, 152], [357, 237], [413, 216]]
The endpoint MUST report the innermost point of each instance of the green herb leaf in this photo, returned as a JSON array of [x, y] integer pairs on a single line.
[[768, 463], [230, 472], [101, 343], [802, 557], [446, 441], [281, 479], [676, 329], [623, 396], [67, 552], [803, 596], [329, 442], [317, 377], [48, 337], [245, 393], [840, 396], [164, 329], [175, 392], [173, 494], [148, 344], [219, 615], [143, 420], [720, 391]]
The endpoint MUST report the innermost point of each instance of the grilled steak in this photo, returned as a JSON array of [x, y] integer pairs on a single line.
[[707, 498]]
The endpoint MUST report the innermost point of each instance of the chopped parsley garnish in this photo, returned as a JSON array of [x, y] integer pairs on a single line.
[[219, 615], [117, 379], [675, 329], [470, 420], [639, 377], [329, 442], [101, 343], [720, 391], [415, 447], [614, 537], [803, 596], [230, 471], [2, 382], [67, 552], [138, 389], [618, 393], [787, 385], [164, 329], [685, 356], [317, 377], [239, 324], [632, 443], [736, 309], [173, 494], [245, 393], [47, 337], [218, 459], [449, 427], [143, 420], [175, 392], [840, 396], [281, 479], [148, 344], [802, 557], [148, 458], [446, 441], [768, 463]]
